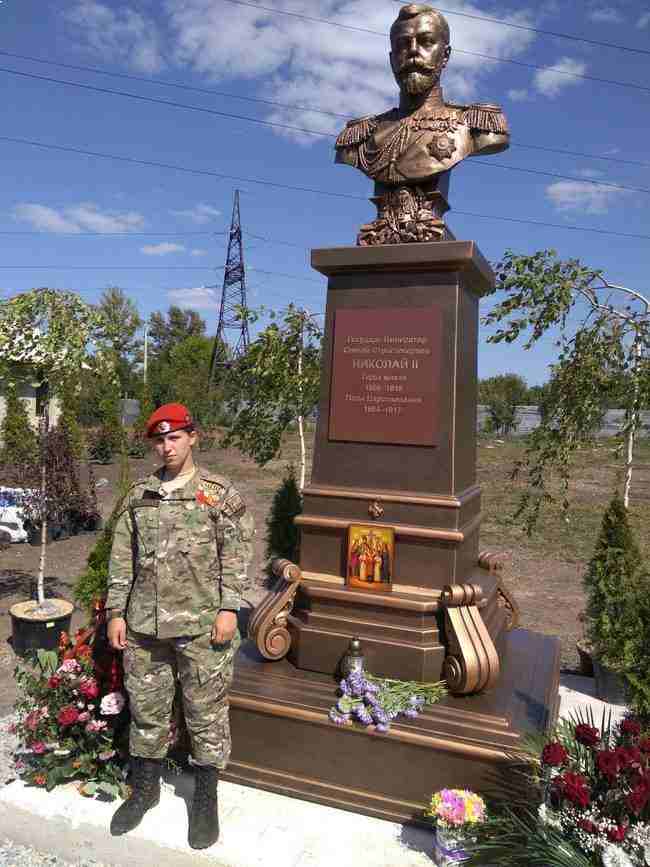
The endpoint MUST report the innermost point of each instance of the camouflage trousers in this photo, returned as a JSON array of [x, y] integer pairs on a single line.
[[152, 667]]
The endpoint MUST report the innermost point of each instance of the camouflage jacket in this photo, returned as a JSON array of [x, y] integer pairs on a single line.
[[177, 561]]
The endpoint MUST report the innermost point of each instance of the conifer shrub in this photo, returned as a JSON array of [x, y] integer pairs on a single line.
[[93, 583], [19, 442], [618, 605], [282, 537]]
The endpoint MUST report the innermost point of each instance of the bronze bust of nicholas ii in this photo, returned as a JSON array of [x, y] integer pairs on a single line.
[[410, 150]]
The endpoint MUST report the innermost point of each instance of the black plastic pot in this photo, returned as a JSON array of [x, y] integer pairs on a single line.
[[610, 686], [29, 633]]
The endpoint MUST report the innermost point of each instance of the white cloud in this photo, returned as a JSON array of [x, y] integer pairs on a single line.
[[309, 64], [198, 252], [117, 34], [201, 213], [644, 21], [606, 15], [162, 249], [589, 173], [583, 196], [199, 297], [84, 217], [551, 81], [518, 94]]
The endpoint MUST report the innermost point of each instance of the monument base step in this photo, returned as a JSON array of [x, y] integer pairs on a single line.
[[285, 743]]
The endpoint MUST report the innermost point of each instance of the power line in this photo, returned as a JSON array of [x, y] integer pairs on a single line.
[[555, 33], [170, 103], [456, 50], [320, 133], [271, 102], [546, 174], [291, 188], [175, 84], [153, 268], [111, 234]]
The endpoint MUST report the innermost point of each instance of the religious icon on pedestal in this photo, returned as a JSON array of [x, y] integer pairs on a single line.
[[371, 551]]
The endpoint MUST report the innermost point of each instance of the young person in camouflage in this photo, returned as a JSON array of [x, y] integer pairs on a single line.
[[180, 554]]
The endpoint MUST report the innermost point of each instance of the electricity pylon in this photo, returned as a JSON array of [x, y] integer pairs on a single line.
[[232, 336]]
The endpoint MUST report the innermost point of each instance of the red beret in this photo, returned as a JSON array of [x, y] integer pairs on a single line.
[[168, 418]]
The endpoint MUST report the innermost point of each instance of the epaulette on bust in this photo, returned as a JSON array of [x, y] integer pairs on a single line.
[[357, 131], [486, 117]]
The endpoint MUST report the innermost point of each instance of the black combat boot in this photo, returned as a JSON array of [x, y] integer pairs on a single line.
[[145, 794], [204, 814]]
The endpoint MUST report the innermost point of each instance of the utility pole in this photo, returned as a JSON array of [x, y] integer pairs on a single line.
[[232, 336], [146, 351]]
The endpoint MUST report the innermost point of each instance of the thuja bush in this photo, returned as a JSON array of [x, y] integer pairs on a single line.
[[282, 537], [18, 438], [618, 604], [92, 584]]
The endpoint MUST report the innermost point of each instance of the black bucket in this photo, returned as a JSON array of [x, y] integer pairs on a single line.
[[28, 634]]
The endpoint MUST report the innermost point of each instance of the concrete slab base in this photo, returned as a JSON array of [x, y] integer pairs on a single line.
[[258, 827]]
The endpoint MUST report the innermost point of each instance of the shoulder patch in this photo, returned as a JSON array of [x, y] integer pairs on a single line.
[[356, 131], [486, 117], [234, 506]]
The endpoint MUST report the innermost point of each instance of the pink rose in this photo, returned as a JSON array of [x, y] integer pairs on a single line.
[[112, 704], [69, 666], [96, 725], [32, 720], [84, 716], [38, 747], [105, 756]]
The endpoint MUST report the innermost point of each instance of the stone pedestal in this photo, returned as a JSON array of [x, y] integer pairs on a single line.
[[395, 445]]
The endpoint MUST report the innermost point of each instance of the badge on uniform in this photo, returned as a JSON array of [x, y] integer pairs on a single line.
[[206, 498]]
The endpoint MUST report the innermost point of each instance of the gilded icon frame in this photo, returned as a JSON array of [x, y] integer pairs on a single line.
[[370, 557]]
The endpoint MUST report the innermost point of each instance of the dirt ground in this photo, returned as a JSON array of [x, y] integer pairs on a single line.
[[544, 572]]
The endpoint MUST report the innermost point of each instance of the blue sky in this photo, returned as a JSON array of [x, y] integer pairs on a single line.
[[245, 52]]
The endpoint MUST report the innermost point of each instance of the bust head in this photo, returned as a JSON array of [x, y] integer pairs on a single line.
[[420, 49]]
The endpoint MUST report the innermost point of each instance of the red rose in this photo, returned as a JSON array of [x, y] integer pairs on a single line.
[[554, 755], [574, 788], [631, 727], [588, 826], [638, 798], [587, 735], [89, 688], [629, 757], [54, 682], [68, 716], [617, 834], [608, 762]]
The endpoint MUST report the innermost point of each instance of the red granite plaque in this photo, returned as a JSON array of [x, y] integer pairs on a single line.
[[385, 376]]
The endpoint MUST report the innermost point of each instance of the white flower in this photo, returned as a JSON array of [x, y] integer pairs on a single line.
[[549, 817], [111, 704], [614, 856]]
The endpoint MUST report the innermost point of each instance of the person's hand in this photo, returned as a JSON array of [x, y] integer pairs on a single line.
[[224, 627], [117, 633]]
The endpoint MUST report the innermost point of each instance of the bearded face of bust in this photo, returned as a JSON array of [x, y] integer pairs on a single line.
[[420, 49]]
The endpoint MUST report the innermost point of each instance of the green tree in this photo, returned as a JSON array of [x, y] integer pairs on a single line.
[[118, 335], [502, 395], [183, 375], [168, 330], [18, 438], [282, 536], [618, 607], [46, 333], [275, 384], [604, 333]]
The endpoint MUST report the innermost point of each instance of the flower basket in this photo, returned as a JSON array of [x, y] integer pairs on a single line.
[[457, 813]]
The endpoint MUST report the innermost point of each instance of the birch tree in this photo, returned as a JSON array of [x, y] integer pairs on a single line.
[[603, 341], [44, 334], [274, 385]]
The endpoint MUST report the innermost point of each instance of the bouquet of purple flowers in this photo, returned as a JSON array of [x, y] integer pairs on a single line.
[[377, 701]]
